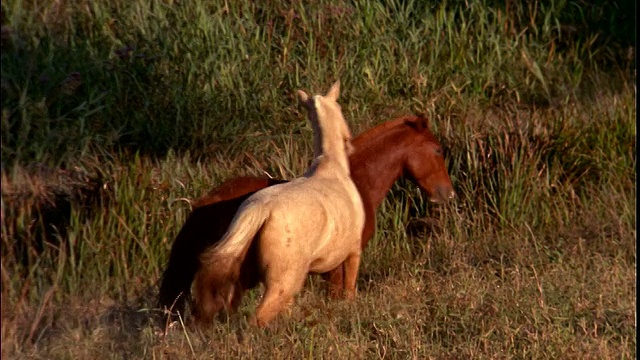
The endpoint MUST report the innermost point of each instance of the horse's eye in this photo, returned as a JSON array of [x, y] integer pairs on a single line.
[[439, 151]]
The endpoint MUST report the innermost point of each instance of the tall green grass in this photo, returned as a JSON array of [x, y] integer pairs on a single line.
[[161, 75], [116, 115]]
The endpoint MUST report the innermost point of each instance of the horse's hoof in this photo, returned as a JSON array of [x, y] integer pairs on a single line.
[[253, 321], [350, 295]]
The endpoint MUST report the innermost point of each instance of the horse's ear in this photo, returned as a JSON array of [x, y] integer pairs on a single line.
[[419, 122], [304, 97], [334, 92], [424, 121]]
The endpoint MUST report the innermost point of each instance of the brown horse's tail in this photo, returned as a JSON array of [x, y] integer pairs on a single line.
[[220, 265], [203, 228]]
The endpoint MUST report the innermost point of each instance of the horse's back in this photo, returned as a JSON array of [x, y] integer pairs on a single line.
[[234, 188], [317, 219], [306, 195]]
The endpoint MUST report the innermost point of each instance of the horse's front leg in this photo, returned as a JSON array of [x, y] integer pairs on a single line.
[[351, 266]]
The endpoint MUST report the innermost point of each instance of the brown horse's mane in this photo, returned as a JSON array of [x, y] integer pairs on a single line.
[[374, 134]]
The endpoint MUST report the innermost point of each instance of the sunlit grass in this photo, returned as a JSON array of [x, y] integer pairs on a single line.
[[117, 115]]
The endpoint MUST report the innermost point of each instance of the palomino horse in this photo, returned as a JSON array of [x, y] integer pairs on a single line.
[[404, 146], [311, 224]]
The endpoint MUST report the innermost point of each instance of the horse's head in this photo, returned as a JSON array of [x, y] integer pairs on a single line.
[[331, 134], [425, 162]]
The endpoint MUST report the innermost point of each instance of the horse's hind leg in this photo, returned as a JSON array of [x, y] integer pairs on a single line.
[[351, 266], [278, 295], [273, 302]]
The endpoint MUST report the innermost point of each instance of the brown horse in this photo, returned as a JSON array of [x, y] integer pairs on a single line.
[[404, 146], [311, 224]]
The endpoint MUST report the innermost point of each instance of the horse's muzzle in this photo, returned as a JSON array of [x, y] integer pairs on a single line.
[[443, 194]]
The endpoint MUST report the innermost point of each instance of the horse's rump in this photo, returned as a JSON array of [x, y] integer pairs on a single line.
[[205, 227]]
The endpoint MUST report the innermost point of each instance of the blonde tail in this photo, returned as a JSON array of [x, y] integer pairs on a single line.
[[220, 264]]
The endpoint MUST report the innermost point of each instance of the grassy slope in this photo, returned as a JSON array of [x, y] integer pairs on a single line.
[[115, 114]]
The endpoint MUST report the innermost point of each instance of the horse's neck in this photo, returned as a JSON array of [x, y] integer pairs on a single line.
[[331, 148], [328, 166], [329, 136], [328, 150], [339, 157], [375, 168]]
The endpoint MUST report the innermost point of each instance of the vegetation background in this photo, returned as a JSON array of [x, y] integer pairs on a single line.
[[115, 114]]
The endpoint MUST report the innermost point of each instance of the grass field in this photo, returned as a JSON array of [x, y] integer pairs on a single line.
[[116, 114]]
